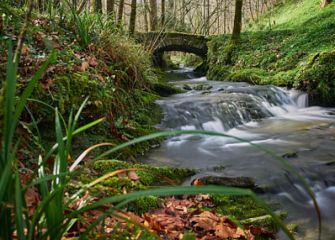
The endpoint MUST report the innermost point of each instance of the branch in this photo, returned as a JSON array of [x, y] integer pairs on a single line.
[[23, 33]]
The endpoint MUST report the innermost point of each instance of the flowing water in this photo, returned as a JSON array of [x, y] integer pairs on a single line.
[[275, 118]]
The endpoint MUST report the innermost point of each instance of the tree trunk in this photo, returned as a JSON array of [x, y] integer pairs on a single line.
[[145, 15], [163, 13], [110, 6], [120, 13], [98, 6], [237, 21], [132, 21], [324, 3], [153, 15]]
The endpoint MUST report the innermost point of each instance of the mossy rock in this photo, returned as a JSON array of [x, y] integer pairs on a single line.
[[265, 221], [150, 175], [318, 77], [165, 89], [218, 72], [238, 207], [143, 204], [249, 75]]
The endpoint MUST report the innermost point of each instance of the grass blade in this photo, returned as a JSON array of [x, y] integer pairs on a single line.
[[30, 87], [9, 105], [87, 151], [19, 208]]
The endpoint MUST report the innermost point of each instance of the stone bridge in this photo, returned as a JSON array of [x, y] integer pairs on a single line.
[[160, 42]]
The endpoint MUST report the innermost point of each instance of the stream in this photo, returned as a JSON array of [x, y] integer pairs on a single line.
[[277, 119]]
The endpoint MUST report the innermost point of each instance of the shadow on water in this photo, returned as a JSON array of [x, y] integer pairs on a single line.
[[275, 118]]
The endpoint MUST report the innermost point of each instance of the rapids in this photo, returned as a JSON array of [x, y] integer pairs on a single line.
[[279, 120]]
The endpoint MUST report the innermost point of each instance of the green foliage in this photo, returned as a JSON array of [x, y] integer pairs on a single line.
[[318, 76], [85, 28], [282, 54]]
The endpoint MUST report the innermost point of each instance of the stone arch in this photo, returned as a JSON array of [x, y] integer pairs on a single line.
[[181, 42]]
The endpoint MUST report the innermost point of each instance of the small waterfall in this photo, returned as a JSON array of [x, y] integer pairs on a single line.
[[299, 98], [224, 110]]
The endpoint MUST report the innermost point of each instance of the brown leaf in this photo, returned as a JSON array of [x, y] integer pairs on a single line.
[[205, 221], [92, 61], [84, 66], [132, 175], [46, 84]]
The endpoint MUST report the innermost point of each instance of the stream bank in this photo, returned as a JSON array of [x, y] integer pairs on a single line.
[[290, 46]]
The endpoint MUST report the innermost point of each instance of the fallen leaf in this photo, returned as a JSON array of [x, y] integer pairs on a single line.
[[84, 66], [132, 175], [92, 61]]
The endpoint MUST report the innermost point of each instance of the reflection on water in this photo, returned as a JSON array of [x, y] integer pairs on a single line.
[[274, 118]]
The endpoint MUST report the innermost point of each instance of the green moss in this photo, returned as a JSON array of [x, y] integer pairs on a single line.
[[318, 76], [165, 89], [218, 72], [149, 176], [143, 204], [252, 75], [246, 210], [238, 207]]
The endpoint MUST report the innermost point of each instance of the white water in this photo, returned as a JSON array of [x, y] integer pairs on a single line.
[[277, 119]]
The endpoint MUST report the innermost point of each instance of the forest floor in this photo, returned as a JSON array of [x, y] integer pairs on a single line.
[[291, 45]]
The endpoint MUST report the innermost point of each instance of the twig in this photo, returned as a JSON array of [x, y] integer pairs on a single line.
[[23, 33], [81, 7]]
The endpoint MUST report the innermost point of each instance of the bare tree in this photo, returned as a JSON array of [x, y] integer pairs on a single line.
[[163, 13], [110, 6], [237, 21], [132, 21], [153, 15], [145, 15], [120, 12]]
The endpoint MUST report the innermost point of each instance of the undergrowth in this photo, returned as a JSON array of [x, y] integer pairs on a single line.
[[285, 54]]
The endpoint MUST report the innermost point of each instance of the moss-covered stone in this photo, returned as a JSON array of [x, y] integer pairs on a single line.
[[143, 204], [265, 221], [318, 77], [238, 207], [249, 75], [165, 89], [149, 176]]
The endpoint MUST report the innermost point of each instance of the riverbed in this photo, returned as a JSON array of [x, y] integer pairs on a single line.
[[276, 119]]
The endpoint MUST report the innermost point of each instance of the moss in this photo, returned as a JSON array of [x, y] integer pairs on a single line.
[[218, 72], [165, 90], [246, 210], [238, 207], [318, 76], [143, 204], [149, 176], [249, 75]]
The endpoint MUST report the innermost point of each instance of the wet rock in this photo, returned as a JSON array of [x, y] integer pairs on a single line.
[[187, 87], [330, 163], [205, 92], [265, 220], [203, 87], [290, 155], [243, 182]]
